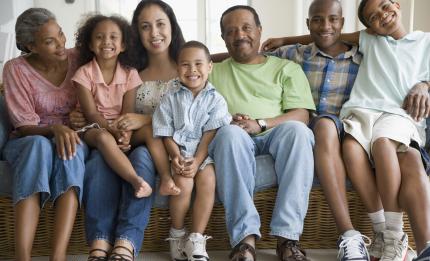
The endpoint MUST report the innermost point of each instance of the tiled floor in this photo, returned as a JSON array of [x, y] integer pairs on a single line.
[[263, 255]]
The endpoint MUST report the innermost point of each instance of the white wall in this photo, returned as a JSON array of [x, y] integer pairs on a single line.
[[276, 19], [68, 15], [421, 17], [9, 10]]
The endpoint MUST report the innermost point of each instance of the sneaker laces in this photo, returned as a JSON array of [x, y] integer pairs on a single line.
[[177, 242], [200, 243], [394, 250], [377, 247], [355, 247]]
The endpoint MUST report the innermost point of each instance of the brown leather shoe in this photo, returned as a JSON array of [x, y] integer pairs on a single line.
[[289, 250], [241, 252]]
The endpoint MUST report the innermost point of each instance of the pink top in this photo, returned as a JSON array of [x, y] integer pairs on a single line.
[[33, 100], [108, 98]]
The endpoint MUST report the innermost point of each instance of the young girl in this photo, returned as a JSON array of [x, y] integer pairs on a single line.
[[106, 89], [187, 119]]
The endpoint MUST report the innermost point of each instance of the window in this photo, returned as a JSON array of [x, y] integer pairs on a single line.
[[199, 20]]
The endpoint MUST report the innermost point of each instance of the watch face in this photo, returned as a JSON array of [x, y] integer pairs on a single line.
[[262, 124]]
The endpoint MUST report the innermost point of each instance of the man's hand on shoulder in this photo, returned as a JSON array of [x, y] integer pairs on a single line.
[[417, 102]]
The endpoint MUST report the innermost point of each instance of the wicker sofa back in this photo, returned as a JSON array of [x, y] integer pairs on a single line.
[[319, 231]]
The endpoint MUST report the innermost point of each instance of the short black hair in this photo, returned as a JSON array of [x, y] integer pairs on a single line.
[[84, 33], [195, 44], [141, 61], [237, 7], [315, 4], [360, 12], [361, 7]]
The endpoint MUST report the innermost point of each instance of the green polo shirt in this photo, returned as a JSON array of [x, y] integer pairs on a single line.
[[263, 90]]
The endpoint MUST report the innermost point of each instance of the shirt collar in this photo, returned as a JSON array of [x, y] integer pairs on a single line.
[[180, 87], [120, 75], [412, 36], [352, 53]]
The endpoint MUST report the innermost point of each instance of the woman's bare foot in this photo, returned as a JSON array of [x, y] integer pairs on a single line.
[[168, 187], [141, 188]]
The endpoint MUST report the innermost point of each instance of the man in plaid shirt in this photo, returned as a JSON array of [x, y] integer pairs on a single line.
[[331, 67]]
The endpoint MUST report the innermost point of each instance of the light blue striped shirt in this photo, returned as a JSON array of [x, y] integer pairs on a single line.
[[186, 118]]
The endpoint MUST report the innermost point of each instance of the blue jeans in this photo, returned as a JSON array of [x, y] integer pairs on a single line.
[[38, 169], [112, 211], [233, 150]]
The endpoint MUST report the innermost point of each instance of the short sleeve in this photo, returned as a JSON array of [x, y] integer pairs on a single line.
[[18, 96], [296, 89], [83, 77], [219, 115], [133, 80], [162, 119], [363, 41], [284, 52]]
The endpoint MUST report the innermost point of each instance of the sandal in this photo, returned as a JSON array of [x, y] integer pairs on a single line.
[[97, 258], [290, 250], [120, 257], [238, 253]]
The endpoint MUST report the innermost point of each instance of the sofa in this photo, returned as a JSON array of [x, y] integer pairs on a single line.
[[319, 230]]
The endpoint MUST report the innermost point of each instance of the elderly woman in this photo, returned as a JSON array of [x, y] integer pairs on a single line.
[[46, 155]]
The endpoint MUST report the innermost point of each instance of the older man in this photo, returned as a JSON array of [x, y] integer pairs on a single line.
[[269, 98]]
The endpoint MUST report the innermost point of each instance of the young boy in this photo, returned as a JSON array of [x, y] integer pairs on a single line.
[[187, 119], [381, 134]]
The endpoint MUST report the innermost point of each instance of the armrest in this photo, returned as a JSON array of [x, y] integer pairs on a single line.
[[4, 124]]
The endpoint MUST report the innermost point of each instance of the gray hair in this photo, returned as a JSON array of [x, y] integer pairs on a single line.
[[28, 23]]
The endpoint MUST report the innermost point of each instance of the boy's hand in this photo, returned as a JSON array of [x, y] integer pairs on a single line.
[[271, 44], [239, 117], [177, 164], [190, 167], [417, 102]]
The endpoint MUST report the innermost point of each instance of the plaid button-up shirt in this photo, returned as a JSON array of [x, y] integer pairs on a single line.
[[331, 78]]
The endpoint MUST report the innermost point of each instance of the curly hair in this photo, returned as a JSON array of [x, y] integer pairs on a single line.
[[84, 33], [141, 61]]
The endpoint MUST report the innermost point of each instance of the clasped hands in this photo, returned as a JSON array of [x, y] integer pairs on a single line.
[[246, 123]]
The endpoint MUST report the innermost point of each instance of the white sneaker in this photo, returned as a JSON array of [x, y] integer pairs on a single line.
[[177, 248], [376, 247], [195, 247], [395, 246], [352, 248]]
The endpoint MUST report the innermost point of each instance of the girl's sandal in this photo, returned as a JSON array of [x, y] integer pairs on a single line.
[[120, 257], [97, 258]]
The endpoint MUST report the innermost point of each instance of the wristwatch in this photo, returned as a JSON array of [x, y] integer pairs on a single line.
[[262, 123]]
